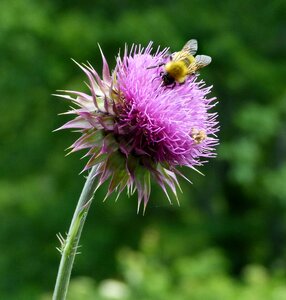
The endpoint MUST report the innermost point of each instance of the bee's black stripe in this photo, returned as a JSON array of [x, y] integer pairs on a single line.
[[186, 61]]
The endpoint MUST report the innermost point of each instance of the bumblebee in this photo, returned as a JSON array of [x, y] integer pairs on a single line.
[[183, 64]]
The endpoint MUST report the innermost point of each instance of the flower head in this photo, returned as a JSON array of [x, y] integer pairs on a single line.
[[135, 127]]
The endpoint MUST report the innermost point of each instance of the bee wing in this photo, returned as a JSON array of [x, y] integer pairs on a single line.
[[191, 47], [176, 56], [202, 61]]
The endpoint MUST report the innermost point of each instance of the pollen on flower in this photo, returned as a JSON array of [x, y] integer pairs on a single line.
[[135, 129]]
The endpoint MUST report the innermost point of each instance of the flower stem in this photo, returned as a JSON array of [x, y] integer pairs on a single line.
[[70, 245]]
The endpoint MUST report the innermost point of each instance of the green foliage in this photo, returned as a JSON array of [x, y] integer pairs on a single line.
[[146, 275], [238, 208]]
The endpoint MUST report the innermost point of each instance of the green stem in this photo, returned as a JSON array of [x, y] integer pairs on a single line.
[[70, 245]]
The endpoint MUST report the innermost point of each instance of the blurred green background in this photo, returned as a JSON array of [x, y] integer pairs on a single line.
[[228, 238]]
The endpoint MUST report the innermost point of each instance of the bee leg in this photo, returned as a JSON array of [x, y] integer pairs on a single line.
[[170, 86]]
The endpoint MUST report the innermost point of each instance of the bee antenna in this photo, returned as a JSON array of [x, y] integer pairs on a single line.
[[154, 78], [157, 66]]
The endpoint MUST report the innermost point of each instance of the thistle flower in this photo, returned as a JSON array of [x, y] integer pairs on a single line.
[[135, 128]]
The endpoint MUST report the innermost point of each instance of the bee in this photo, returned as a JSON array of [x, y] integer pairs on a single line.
[[183, 63], [198, 135]]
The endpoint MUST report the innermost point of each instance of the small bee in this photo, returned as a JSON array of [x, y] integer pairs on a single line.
[[183, 63], [198, 135]]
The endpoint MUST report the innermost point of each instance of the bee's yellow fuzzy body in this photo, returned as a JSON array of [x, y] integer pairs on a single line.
[[179, 70]]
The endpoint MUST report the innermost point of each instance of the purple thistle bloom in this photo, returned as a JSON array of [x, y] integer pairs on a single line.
[[134, 127]]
